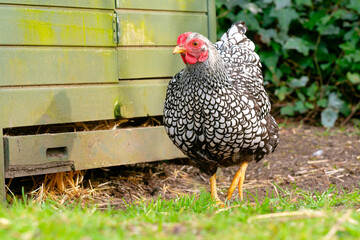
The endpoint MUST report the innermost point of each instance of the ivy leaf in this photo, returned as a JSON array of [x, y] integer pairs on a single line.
[[287, 110], [303, 2], [267, 34], [322, 103], [251, 22], [354, 78], [267, 20], [314, 19], [300, 107], [311, 91], [233, 3], [325, 66], [306, 62], [355, 5], [298, 44], [345, 109], [353, 57], [300, 95], [334, 101], [282, 92], [324, 20], [357, 57], [274, 77], [280, 4], [284, 17], [324, 55], [344, 14], [270, 60], [231, 16], [253, 8], [348, 47], [351, 36], [329, 30], [309, 105], [328, 117], [268, 78], [297, 83], [281, 37]]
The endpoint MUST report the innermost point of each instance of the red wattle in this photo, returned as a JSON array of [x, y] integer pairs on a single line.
[[190, 59], [203, 56]]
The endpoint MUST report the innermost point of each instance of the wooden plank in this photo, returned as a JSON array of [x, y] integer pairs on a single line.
[[211, 20], [147, 62], [174, 5], [44, 65], [49, 26], [2, 169], [93, 149], [36, 169], [101, 4], [60, 104], [157, 28]]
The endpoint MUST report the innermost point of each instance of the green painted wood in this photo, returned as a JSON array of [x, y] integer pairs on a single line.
[[49, 105], [175, 5], [211, 20], [147, 62], [44, 65], [94, 149], [2, 169], [49, 26], [157, 28], [101, 4], [140, 98]]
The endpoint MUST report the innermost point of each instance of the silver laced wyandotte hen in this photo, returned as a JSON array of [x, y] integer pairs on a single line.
[[217, 111]]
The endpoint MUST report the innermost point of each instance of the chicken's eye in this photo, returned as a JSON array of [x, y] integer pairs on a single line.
[[195, 44]]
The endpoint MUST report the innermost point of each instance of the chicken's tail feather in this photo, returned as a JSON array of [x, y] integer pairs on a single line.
[[238, 27], [236, 31], [236, 36]]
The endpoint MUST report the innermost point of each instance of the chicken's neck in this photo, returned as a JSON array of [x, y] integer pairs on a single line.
[[210, 73]]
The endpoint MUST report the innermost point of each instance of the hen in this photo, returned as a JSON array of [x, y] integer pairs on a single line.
[[216, 109]]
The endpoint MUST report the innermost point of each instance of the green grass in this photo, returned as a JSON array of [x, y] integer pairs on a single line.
[[292, 214]]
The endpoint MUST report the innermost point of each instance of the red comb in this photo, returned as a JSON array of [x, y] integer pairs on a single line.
[[182, 38]]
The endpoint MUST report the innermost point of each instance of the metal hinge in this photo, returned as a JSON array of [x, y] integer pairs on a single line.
[[116, 32]]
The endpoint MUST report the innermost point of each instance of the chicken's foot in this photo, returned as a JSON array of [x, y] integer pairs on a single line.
[[213, 191], [238, 180]]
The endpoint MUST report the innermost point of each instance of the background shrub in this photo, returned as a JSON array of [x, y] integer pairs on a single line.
[[310, 52]]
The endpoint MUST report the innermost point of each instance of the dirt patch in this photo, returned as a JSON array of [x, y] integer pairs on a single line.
[[307, 156]]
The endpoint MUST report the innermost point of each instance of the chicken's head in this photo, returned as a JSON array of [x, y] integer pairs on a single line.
[[192, 48]]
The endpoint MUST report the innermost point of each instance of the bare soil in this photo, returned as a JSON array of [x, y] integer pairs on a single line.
[[308, 157]]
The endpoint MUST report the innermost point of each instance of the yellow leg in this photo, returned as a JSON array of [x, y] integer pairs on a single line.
[[242, 179], [238, 180], [213, 191]]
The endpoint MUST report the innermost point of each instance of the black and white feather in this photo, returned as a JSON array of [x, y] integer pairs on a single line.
[[217, 111]]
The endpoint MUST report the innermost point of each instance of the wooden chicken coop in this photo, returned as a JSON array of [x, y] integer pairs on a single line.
[[74, 61]]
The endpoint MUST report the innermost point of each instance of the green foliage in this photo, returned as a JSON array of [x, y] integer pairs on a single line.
[[310, 51]]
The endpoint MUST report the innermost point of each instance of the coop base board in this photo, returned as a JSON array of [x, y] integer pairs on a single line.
[[37, 169], [49, 153]]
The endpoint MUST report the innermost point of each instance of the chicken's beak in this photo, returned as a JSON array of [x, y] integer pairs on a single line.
[[178, 49]]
